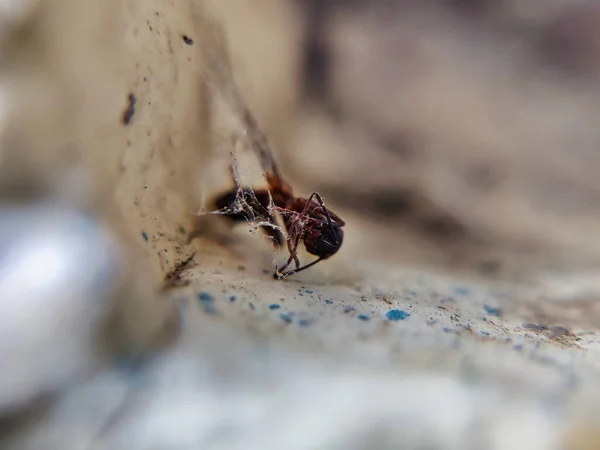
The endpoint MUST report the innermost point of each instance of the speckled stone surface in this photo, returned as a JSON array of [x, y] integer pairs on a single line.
[[475, 329]]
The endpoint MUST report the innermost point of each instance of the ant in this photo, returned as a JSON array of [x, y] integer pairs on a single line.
[[305, 220]]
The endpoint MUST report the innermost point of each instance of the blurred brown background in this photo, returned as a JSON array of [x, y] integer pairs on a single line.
[[463, 132]]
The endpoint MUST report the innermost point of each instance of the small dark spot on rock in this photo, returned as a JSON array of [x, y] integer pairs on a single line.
[[363, 317], [329, 302], [240, 268], [182, 230], [535, 327], [145, 236], [130, 110], [232, 298], [266, 272], [274, 306], [251, 305], [187, 40]]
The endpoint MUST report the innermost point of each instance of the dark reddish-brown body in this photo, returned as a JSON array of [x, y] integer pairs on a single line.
[[305, 220]]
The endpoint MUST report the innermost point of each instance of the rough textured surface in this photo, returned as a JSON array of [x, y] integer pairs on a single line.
[[461, 312]]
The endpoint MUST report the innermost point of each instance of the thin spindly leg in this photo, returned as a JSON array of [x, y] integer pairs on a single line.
[[293, 250], [322, 205]]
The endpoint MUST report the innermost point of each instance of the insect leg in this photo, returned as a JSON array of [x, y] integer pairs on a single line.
[[322, 205], [290, 272], [293, 250]]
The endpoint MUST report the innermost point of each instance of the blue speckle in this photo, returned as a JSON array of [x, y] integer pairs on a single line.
[[251, 305], [364, 317], [461, 291], [206, 300], [274, 306], [304, 322], [447, 299], [484, 333], [492, 311], [397, 314], [205, 297], [431, 322], [329, 302], [413, 293], [286, 318], [300, 294], [145, 236], [309, 291], [518, 347], [232, 298], [348, 308]]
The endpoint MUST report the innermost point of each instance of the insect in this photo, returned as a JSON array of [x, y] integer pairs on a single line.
[[305, 220]]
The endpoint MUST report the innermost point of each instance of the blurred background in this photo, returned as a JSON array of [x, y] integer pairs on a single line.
[[458, 140]]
